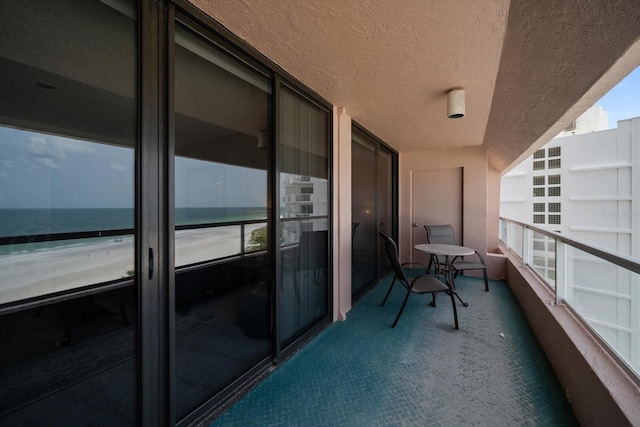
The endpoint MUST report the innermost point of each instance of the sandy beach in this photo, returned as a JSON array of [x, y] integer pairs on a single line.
[[29, 274]]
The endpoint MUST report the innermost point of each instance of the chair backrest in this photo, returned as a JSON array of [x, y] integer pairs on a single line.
[[440, 234], [392, 252]]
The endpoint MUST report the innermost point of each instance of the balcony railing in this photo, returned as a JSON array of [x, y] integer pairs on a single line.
[[196, 245], [601, 287], [292, 198], [110, 256]]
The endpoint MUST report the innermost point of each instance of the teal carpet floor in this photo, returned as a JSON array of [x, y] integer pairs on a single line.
[[361, 372]]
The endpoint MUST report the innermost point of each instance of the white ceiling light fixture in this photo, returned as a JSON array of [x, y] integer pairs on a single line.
[[455, 103]]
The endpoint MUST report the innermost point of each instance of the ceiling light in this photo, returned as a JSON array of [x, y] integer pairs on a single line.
[[455, 103]]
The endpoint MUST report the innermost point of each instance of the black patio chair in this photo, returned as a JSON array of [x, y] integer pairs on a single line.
[[443, 234], [421, 284]]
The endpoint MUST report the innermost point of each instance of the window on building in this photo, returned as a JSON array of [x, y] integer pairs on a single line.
[[539, 165], [570, 127], [538, 192], [306, 190], [538, 207], [538, 180], [554, 191], [538, 219], [306, 209], [538, 246], [554, 163], [554, 219], [554, 151], [539, 154], [553, 179], [554, 207]]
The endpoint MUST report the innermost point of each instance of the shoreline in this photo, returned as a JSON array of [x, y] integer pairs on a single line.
[[29, 274]]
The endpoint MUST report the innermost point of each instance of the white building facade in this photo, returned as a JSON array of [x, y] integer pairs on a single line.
[[585, 184]]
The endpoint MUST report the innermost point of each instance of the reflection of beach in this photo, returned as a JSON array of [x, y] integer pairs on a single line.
[[29, 274]]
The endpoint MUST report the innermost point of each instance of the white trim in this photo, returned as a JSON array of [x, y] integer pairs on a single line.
[[601, 199], [601, 230], [602, 167]]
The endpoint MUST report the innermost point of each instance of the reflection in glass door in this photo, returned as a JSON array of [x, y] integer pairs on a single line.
[[363, 211], [223, 264], [304, 215], [68, 140], [373, 208]]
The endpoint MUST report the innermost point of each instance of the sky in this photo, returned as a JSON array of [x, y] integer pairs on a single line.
[[623, 101], [47, 171]]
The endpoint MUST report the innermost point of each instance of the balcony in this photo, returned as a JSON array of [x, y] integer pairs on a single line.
[[582, 303], [424, 372], [530, 351], [198, 82]]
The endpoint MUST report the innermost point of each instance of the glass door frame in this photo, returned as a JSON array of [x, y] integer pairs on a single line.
[[186, 13], [380, 146]]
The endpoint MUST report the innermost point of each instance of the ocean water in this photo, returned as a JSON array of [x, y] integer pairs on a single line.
[[29, 222]]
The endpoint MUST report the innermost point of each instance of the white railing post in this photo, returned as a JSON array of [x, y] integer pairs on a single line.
[[562, 272], [527, 247]]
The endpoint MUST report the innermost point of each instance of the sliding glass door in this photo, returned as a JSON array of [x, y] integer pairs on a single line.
[[373, 209], [223, 261], [164, 214], [304, 214], [68, 143]]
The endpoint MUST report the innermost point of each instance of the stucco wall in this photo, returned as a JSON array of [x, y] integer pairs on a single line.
[[341, 214], [477, 195], [599, 391]]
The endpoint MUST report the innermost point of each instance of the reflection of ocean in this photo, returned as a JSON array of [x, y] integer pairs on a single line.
[[29, 222]]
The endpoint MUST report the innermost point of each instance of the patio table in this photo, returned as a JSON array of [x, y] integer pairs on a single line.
[[450, 253]]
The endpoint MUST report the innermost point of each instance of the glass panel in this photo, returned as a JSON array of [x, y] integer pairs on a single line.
[[67, 149], [363, 211], [304, 157], [516, 239], [544, 257], [223, 274], [608, 298]]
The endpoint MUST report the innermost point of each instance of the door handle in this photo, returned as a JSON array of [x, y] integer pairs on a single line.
[[415, 224], [151, 266]]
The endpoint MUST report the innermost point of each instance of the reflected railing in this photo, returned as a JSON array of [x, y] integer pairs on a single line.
[[44, 264], [601, 287]]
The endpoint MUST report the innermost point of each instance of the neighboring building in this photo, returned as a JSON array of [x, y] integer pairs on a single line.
[[586, 186], [302, 197], [582, 183], [593, 120]]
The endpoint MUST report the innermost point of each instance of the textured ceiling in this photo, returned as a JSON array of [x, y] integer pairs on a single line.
[[390, 66], [527, 67]]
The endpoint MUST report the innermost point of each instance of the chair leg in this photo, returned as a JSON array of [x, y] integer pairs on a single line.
[[453, 292], [455, 310], [431, 262], [486, 282], [388, 292], [395, 322]]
